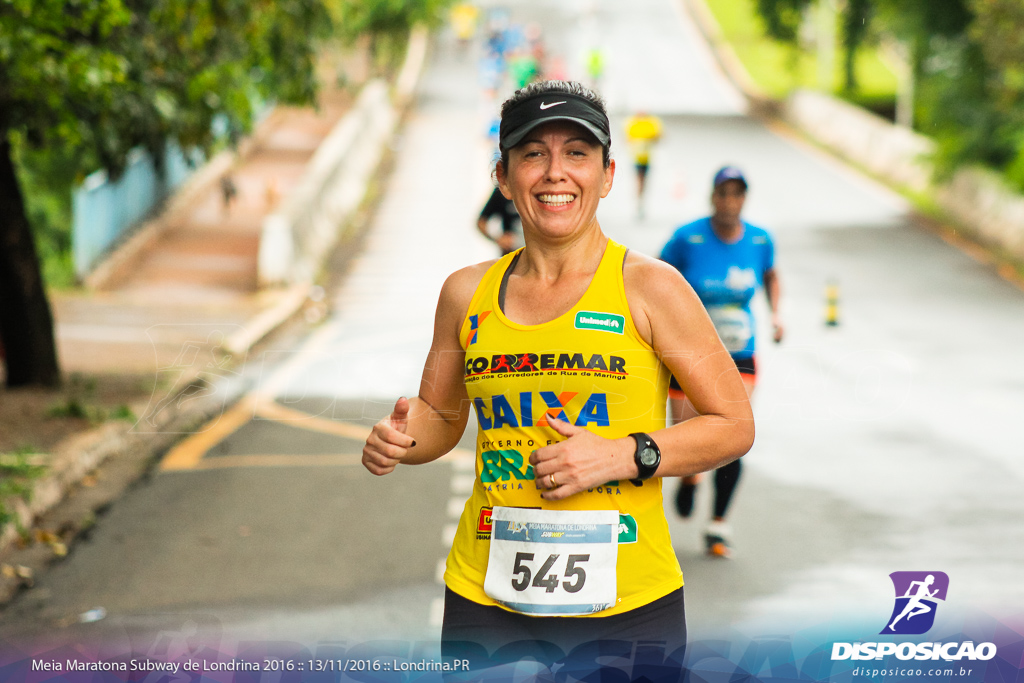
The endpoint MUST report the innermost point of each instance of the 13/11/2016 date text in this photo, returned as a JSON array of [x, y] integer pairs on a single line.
[[364, 665]]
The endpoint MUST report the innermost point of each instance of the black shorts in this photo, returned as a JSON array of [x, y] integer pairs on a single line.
[[490, 636], [746, 366], [641, 169]]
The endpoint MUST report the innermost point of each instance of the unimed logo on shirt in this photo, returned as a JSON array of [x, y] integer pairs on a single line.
[[609, 322]]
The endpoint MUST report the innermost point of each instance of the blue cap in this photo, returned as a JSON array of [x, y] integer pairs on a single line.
[[727, 173]]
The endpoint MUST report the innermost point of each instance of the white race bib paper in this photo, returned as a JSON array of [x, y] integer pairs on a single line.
[[553, 562], [733, 326]]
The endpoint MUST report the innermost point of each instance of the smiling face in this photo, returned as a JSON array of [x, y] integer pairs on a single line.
[[556, 177]]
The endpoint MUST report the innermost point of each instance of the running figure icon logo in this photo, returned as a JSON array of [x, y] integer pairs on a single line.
[[917, 597]]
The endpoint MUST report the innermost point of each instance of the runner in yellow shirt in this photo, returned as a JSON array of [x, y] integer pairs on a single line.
[[464, 19], [563, 351], [642, 132]]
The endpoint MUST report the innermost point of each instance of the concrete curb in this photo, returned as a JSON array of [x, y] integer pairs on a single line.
[[295, 240], [267, 320], [977, 199], [64, 505], [893, 153], [117, 455]]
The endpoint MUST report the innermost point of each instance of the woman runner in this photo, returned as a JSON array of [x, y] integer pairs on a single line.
[[564, 350]]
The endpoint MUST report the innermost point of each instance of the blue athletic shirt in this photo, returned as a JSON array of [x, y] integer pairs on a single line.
[[725, 276]]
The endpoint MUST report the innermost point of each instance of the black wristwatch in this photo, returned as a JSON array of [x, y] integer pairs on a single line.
[[647, 457]]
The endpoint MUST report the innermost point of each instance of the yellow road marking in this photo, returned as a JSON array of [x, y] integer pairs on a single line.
[[187, 454], [284, 460], [297, 418], [190, 453], [275, 460]]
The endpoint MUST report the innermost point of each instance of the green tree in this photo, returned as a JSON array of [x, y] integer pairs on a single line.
[[998, 30], [925, 26], [856, 19], [385, 22], [53, 62], [102, 77], [782, 18]]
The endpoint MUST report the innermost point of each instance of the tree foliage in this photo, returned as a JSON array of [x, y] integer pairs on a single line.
[[783, 18], [385, 22], [97, 78], [110, 75], [55, 61], [395, 18], [998, 31], [967, 60], [855, 22]]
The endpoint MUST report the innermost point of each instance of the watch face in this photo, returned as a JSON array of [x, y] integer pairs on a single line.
[[648, 456]]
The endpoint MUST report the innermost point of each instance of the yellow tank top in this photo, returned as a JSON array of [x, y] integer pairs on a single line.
[[589, 367]]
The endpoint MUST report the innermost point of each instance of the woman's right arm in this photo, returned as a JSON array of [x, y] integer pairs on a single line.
[[424, 428]]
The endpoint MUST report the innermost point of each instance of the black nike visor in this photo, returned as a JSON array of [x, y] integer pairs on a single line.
[[552, 106]]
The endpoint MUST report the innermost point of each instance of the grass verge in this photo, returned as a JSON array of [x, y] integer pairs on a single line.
[[779, 68]]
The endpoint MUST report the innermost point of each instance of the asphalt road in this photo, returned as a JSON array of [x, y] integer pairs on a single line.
[[888, 443]]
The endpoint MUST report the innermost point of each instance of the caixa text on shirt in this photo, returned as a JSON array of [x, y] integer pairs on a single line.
[[541, 362], [499, 411]]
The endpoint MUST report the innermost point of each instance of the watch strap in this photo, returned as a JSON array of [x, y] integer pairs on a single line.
[[644, 441]]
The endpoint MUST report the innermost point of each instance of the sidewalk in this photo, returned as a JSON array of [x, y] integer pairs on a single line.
[[178, 304], [182, 308], [195, 282]]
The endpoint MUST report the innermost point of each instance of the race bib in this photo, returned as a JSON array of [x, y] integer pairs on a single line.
[[553, 562], [733, 326]]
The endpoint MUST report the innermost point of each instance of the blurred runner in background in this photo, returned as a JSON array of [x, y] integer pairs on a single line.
[[594, 59], [724, 259], [464, 18], [511, 237], [228, 192], [523, 68], [642, 132]]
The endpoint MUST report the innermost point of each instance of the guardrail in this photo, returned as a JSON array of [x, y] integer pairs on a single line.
[[977, 198], [893, 152], [295, 240], [105, 210]]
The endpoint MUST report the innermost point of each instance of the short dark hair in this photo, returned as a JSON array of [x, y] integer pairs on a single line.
[[549, 87]]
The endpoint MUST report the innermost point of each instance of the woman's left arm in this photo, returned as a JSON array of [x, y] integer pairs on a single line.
[[670, 317]]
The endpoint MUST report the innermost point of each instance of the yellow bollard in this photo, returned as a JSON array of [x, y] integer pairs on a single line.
[[832, 304]]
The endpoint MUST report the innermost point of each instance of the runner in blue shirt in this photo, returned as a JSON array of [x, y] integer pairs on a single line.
[[725, 259]]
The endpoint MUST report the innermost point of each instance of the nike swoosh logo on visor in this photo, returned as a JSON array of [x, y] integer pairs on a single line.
[[548, 106]]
